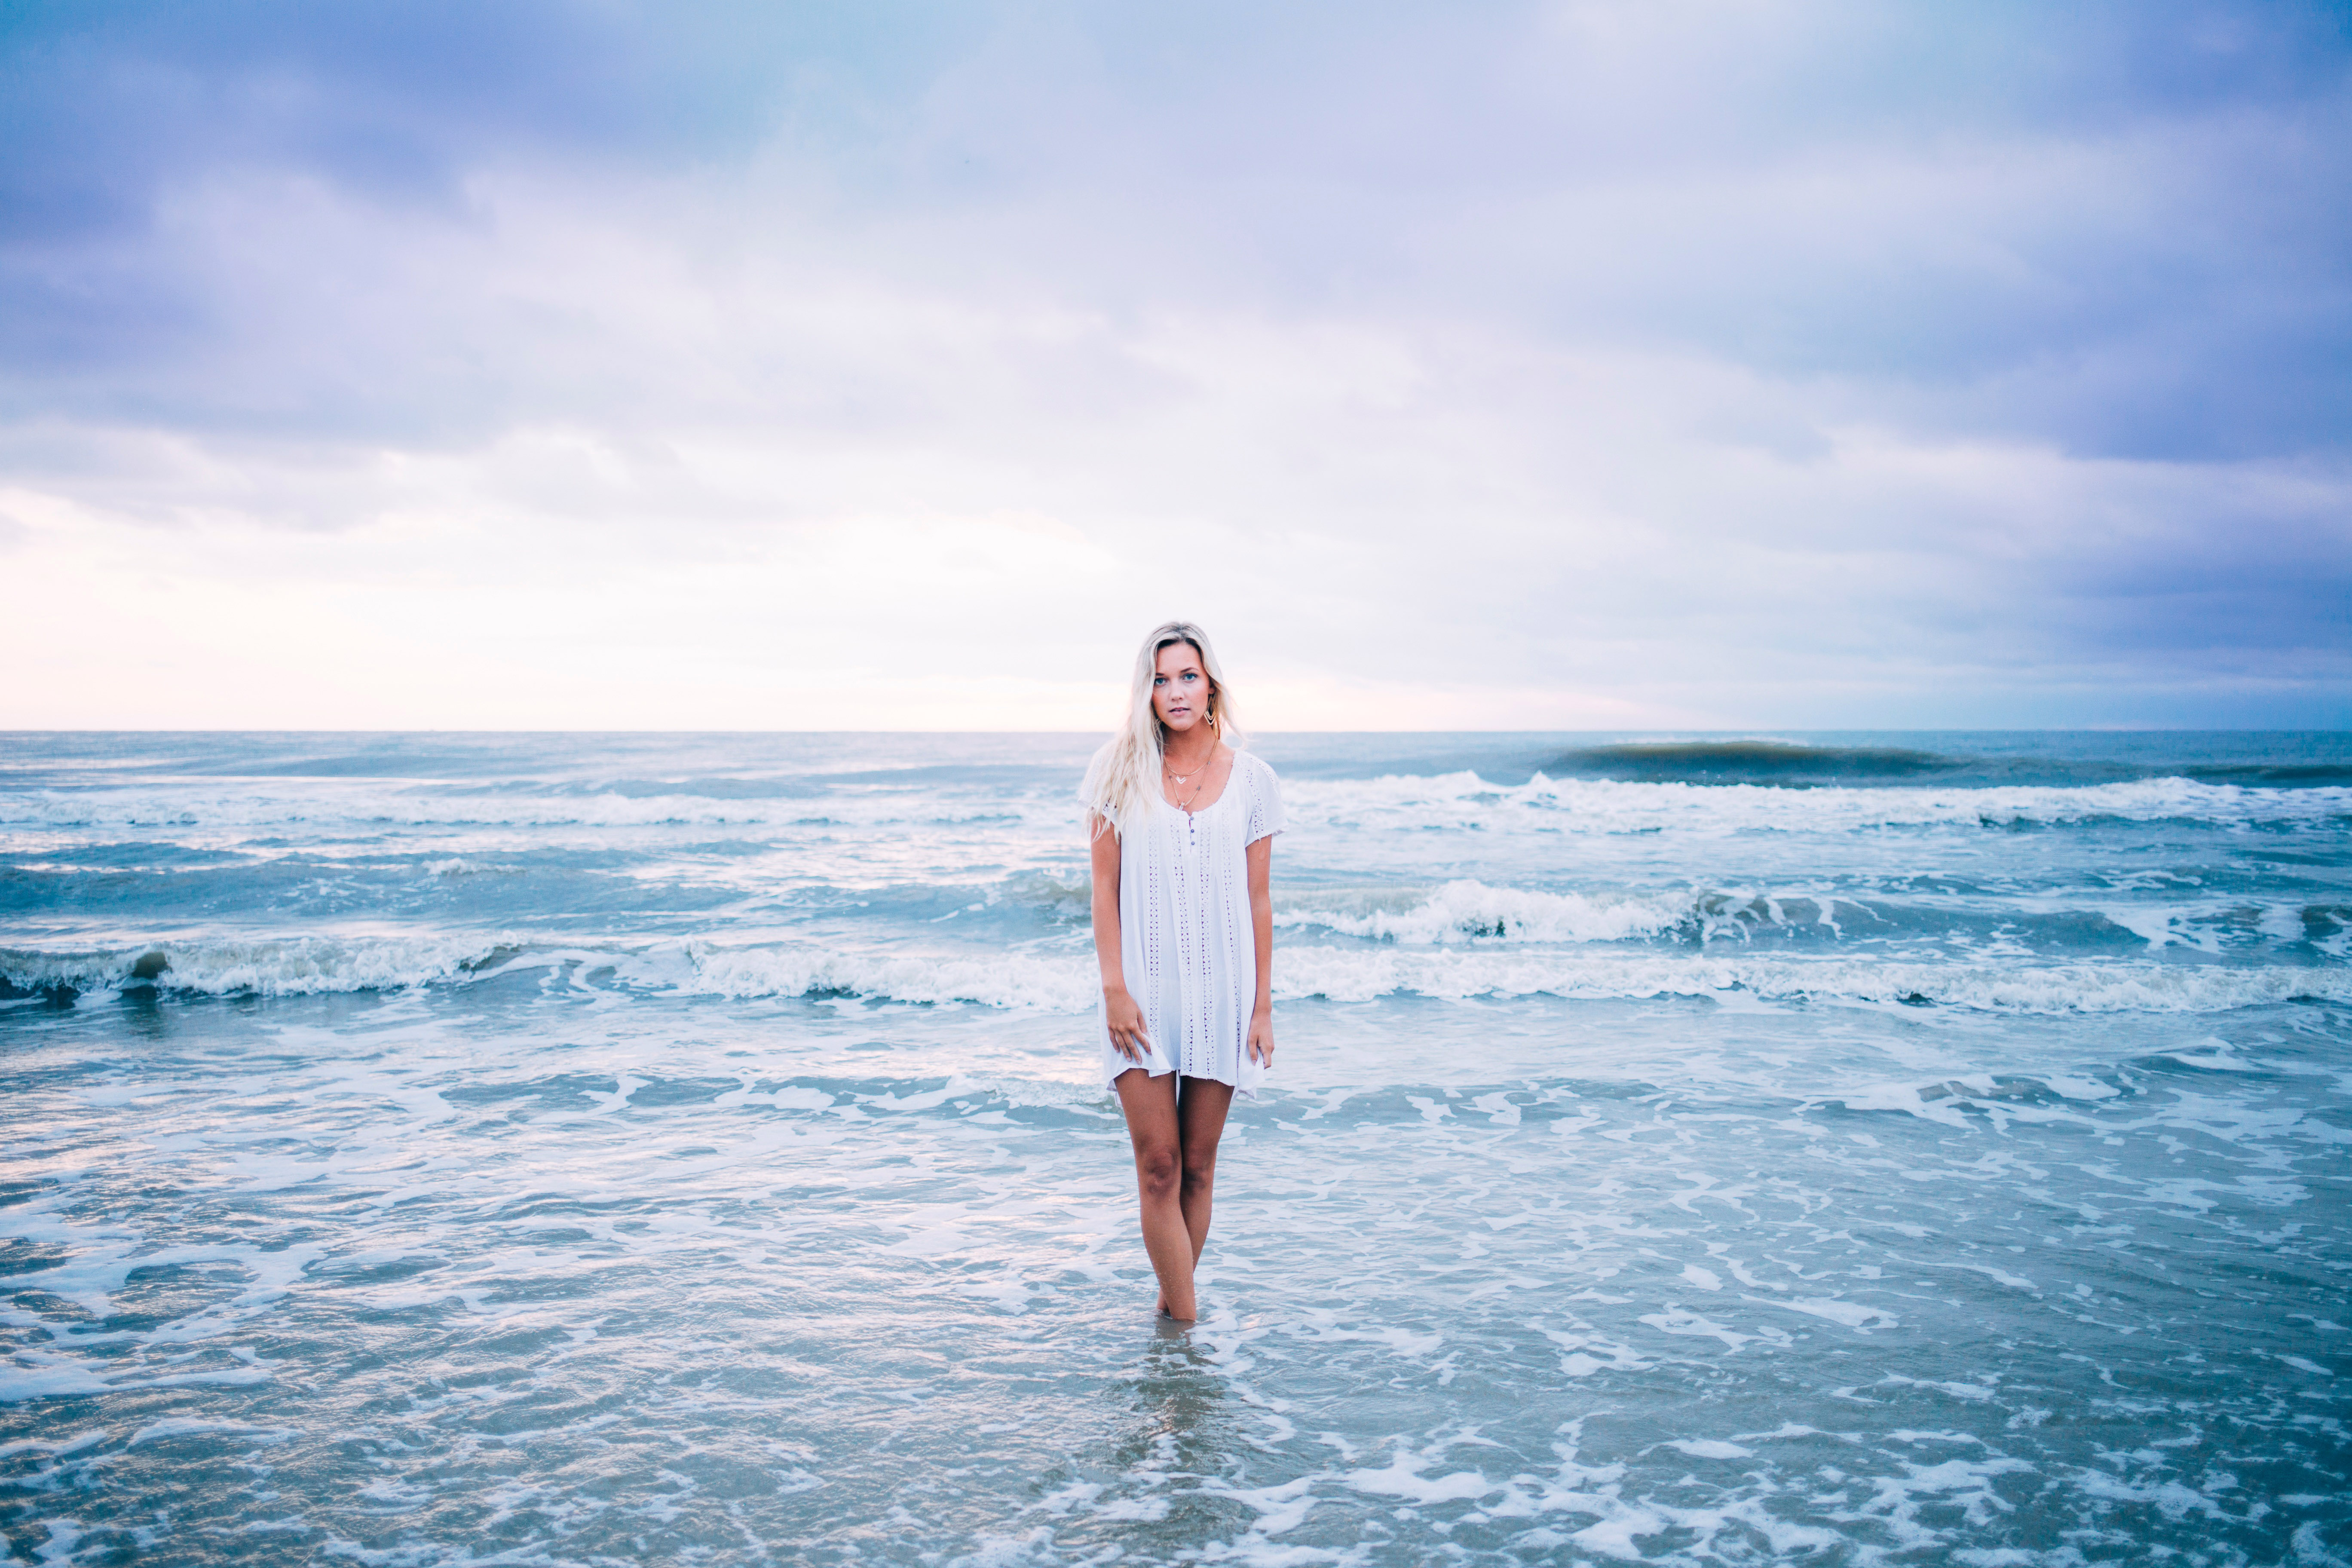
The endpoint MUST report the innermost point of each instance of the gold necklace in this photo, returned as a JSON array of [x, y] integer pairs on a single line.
[[1185, 803]]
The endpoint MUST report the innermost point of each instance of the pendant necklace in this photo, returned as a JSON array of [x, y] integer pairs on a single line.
[[1185, 805]]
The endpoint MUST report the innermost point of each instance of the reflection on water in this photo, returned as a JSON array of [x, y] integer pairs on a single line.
[[1175, 1408], [1170, 1428]]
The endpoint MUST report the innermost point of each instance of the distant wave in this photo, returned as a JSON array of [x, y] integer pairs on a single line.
[[1793, 763], [316, 805], [1748, 762], [2272, 775], [1066, 982]]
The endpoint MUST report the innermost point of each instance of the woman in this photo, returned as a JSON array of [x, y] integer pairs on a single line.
[[1182, 823]]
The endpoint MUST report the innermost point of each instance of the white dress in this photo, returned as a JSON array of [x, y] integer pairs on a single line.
[[1185, 940]]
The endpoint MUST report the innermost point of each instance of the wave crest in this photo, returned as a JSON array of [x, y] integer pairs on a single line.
[[1466, 909], [1066, 982], [291, 966], [1001, 980]]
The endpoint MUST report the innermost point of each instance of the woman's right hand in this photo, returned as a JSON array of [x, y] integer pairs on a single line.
[[1125, 1022]]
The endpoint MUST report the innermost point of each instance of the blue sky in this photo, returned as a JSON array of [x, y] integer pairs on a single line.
[[1568, 366]]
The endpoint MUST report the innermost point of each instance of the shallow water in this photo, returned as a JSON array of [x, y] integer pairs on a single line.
[[582, 1149]]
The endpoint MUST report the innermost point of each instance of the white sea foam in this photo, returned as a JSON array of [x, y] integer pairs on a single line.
[[287, 966], [1068, 984], [1466, 909], [1412, 801], [1065, 982], [1004, 980], [1465, 800], [1357, 975], [317, 805]]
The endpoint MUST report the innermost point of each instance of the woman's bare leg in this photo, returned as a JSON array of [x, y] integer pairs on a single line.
[[1152, 1126], [1199, 1123]]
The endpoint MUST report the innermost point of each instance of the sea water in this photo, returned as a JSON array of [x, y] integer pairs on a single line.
[[1922, 1149]]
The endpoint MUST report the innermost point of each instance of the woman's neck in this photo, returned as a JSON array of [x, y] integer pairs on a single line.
[[1183, 753]]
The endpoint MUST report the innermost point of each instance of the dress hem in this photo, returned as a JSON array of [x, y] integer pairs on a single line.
[[1241, 1091]]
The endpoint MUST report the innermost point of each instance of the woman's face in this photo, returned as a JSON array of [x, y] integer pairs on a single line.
[[1180, 687]]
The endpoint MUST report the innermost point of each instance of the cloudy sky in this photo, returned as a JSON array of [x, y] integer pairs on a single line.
[[1750, 363]]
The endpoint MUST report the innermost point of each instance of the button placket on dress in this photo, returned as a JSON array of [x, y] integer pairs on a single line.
[[1195, 999]]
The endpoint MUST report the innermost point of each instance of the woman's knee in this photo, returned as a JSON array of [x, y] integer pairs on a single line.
[[1159, 1171], [1200, 1173]]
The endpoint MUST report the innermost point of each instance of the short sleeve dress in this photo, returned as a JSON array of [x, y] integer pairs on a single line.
[[1184, 939]]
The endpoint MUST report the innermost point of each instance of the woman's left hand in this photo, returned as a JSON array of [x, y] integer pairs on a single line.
[[1261, 1036]]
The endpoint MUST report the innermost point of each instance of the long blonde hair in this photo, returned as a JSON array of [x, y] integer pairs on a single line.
[[1124, 778]]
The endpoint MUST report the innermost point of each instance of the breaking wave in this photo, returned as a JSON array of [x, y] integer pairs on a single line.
[[291, 967], [1066, 982], [1466, 910], [1054, 984]]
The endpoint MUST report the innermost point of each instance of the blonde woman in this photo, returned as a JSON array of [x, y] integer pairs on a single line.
[[1181, 822]]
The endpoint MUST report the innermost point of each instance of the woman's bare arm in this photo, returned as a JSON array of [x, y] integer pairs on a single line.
[[1119, 1011], [1260, 857]]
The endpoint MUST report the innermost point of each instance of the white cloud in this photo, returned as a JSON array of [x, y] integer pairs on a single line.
[[1715, 409]]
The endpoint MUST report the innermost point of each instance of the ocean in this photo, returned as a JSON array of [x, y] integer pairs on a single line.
[[423, 1149]]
